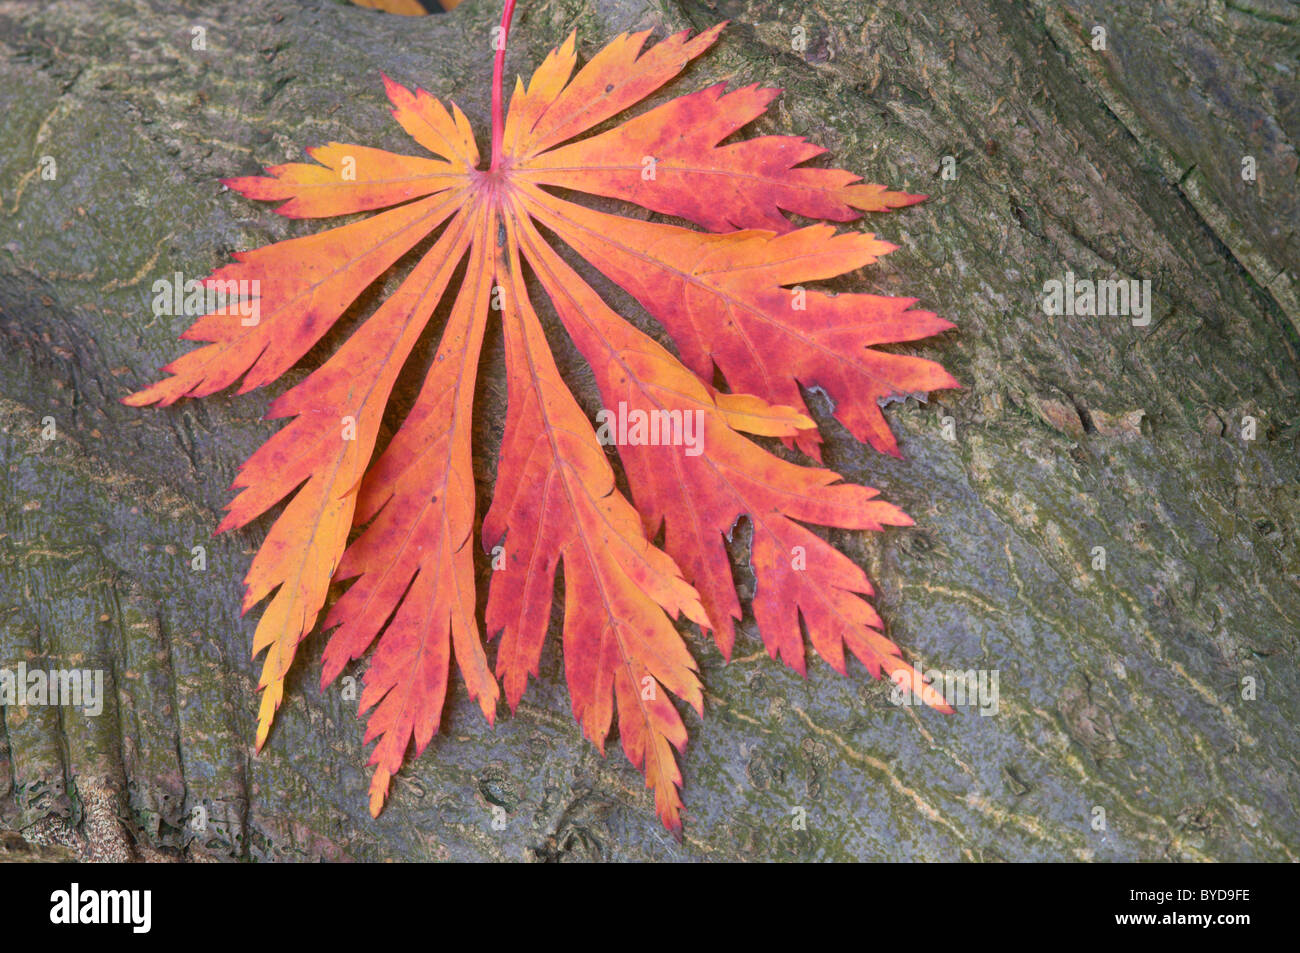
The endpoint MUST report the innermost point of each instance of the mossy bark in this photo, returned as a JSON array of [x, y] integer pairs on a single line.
[[1124, 690]]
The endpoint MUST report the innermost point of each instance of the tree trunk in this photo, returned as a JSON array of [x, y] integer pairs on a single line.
[[1106, 515]]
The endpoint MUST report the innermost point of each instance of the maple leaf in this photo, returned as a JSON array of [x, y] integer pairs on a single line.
[[731, 297]]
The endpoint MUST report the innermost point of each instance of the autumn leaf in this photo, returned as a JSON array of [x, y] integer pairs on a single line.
[[732, 298]]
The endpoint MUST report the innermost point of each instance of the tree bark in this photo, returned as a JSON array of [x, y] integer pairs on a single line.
[[1158, 693]]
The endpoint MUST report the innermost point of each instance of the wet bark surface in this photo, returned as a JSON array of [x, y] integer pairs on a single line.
[[1159, 692]]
